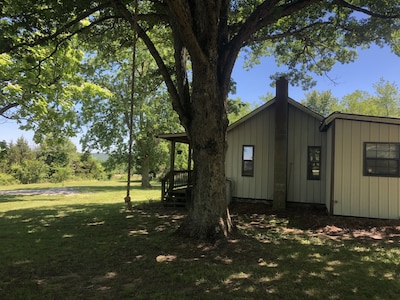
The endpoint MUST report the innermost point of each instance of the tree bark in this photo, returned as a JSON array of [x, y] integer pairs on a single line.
[[208, 217], [145, 172]]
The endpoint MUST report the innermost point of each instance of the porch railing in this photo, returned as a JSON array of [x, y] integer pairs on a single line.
[[174, 180]]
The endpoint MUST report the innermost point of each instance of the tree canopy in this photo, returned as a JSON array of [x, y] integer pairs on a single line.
[[384, 102], [49, 161], [308, 36]]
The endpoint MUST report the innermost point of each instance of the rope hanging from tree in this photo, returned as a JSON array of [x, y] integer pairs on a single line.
[[128, 202]]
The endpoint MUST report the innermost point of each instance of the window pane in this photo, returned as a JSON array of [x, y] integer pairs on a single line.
[[388, 167], [383, 151], [382, 159], [315, 170], [247, 152], [371, 150], [370, 166], [394, 151], [247, 166], [376, 150], [314, 163], [248, 161], [314, 154]]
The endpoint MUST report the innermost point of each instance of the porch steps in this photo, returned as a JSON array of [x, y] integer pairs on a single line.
[[177, 197]]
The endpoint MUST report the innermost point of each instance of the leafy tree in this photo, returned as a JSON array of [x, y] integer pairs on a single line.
[[23, 163], [90, 168], [3, 156], [237, 109], [3, 149], [387, 98], [57, 156], [385, 102], [39, 87], [153, 112], [267, 97], [307, 36], [323, 103], [19, 152], [7, 179], [358, 102], [30, 171]]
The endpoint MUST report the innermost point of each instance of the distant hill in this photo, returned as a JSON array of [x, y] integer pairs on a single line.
[[100, 156]]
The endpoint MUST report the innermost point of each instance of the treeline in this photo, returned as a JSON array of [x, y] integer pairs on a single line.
[[384, 102], [47, 162]]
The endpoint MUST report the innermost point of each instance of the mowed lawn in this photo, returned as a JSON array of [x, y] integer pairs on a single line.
[[80, 243]]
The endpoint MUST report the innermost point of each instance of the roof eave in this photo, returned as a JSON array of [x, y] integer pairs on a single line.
[[326, 123]]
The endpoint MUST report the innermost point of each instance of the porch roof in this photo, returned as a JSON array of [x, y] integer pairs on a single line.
[[180, 137]]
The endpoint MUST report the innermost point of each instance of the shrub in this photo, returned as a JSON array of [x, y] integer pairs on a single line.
[[61, 174], [7, 179], [30, 171]]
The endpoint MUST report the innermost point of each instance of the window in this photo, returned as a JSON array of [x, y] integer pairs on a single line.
[[381, 159], [314, 163], [248, 161]]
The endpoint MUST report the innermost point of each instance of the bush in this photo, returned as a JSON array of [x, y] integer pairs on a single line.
[[30, 171], [61, 174], [7, 179]]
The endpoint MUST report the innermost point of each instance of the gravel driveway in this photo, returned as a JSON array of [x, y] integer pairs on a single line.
[[51, 191]]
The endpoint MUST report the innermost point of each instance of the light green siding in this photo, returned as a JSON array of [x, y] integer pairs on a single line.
[[355, 194], [257, 131], [303, 131]]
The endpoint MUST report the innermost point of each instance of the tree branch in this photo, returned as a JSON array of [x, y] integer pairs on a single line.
[[182, 18], [180, 54], [59, 31], [266, 13], [343, 3], [8, 107], [287, 33]]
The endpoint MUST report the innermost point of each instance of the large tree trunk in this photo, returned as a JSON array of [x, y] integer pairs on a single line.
[[208, 216], [145, 172]]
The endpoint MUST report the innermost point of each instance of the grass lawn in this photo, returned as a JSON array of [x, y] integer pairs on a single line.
[[83, 245]]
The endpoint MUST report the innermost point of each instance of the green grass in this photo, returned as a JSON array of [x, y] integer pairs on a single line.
[[86, 246], [87, 192]]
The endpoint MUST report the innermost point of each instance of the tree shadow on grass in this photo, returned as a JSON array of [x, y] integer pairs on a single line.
[[104, 252], [10, 198]]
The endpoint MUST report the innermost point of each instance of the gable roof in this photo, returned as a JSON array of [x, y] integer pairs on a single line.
[[271, 102], [354, 117], [182, 136]]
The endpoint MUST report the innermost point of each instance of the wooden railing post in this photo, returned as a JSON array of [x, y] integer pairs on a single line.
[[163, 190]]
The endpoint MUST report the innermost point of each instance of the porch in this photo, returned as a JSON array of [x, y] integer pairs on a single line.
[[176, 185], [176, 188]]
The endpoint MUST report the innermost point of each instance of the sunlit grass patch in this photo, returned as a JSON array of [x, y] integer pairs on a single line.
[[80, 193]]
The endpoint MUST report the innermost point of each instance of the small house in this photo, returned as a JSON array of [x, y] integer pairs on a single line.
[[287, 154]]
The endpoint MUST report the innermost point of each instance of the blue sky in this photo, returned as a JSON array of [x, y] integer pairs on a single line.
[[372, 64]]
